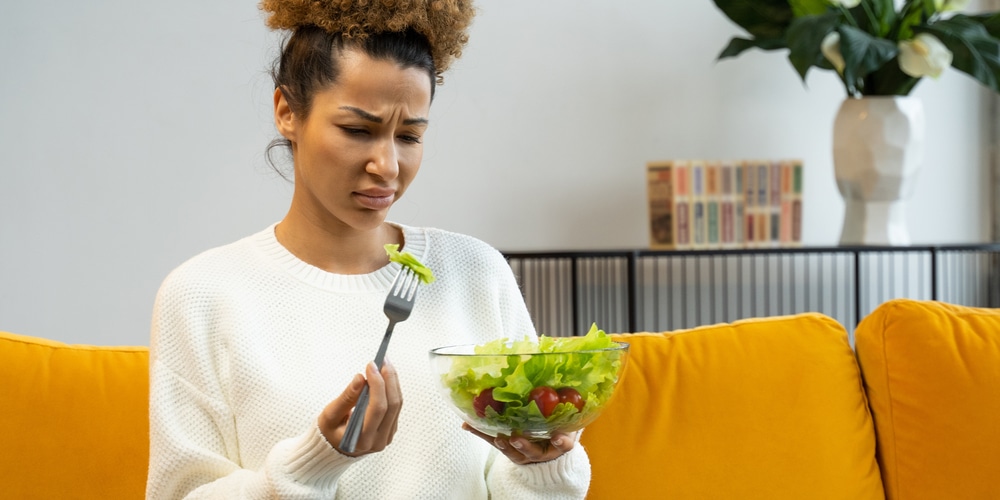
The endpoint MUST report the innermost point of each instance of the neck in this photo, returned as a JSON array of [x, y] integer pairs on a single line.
[[343, 250]]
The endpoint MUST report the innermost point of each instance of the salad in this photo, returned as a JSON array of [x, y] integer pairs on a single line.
[[532, 387]]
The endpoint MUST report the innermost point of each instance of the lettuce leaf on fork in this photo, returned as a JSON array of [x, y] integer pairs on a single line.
[[407, 259]]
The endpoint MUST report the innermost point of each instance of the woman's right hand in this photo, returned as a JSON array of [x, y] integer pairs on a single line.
[[381, 418]]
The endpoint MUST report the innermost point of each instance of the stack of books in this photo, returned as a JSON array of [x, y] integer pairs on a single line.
[[702, 204]]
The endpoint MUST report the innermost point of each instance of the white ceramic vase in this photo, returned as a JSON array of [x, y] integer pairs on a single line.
[[878, 148]]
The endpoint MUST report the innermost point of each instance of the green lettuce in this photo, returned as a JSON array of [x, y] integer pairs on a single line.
[[407, 259], [590, 364]]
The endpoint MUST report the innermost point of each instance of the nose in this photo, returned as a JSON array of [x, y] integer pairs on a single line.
[[384, 160]]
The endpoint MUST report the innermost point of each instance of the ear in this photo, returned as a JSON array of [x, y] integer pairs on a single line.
[[284, 118]]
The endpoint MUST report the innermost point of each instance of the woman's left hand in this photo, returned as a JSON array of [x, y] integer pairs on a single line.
[[523, 451]]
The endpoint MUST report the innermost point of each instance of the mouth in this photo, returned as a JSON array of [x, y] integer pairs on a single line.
[[375, 199]]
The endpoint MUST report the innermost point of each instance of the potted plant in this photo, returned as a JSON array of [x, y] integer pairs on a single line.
[[880, 50]]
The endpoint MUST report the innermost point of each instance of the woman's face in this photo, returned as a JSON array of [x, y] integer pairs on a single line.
[[361, 145]]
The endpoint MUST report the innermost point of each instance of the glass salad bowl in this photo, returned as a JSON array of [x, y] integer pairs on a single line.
[[530, 388]]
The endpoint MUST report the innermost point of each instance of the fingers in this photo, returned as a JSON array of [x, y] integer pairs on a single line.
[[384, 405], [394, 400], [523, 451], [333, 418], [385, 400]]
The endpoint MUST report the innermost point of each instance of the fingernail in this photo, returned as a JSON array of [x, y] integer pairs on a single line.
[[499, 444], [517, 444], [557, 441]]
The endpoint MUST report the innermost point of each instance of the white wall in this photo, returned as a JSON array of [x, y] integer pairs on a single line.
[[132, 137]]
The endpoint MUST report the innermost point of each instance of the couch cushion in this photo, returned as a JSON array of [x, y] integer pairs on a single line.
[[932, 373], [74, 419], [765, 408]]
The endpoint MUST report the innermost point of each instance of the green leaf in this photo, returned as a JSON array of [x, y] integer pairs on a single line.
[[738, 45], [407, 259], [889, 80], [802, 8], [761, 18], [975, 52], [885, 13], [863, 54], [929, 9], [911, 15], [989, 21], [804, 38]]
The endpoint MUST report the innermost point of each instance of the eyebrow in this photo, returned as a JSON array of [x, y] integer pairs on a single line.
[[377, 119]]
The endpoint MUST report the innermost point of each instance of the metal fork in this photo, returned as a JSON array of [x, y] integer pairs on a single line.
[[398, 305]]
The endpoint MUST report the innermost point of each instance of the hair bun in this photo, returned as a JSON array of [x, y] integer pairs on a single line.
[[443, 22]]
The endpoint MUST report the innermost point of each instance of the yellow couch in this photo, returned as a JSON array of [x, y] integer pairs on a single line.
[[73, 420], [781, 408], [769, 408]]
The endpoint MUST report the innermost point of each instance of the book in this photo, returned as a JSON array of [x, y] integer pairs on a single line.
[[761, 222], [712, 201], [682, 204], [739, 203], [661, 199], [785, 233], [727, 209], [699, 217], [774, 204], [797, 179], [750, 204]]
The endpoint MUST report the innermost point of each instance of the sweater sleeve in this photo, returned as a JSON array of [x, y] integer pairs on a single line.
[[567, 477], [194, 448], [192, 456]]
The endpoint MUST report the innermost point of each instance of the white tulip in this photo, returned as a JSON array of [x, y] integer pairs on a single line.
[[846, 3], [924, 55], [946, 5], [831, 50]]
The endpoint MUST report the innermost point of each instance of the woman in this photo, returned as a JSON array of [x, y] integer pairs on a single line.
[[255, 345]]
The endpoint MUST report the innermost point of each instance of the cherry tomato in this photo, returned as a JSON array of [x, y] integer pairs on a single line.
[[484, 400], [572, 396], [546, 398]]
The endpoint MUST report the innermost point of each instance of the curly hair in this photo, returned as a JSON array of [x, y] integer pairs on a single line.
[[442, 22]]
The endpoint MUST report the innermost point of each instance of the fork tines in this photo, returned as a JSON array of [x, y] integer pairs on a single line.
[[405, 285]]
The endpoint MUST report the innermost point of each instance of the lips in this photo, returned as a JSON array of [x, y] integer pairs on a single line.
[[375, 198]]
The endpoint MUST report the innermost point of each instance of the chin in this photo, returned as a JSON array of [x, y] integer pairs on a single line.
[[370, 221]]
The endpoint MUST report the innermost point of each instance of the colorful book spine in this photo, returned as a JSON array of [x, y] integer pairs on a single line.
[[699, 217], [727, 209], [749, 202], [682, 204], [761, 226], [713, 192], [774, 205], [739, 205], [660, 192], [797, 179], [786, 203]]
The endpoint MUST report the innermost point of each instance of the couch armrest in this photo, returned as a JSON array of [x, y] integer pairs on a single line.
[[74, 419]]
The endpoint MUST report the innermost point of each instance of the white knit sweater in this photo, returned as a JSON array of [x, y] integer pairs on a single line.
[[249, 344]]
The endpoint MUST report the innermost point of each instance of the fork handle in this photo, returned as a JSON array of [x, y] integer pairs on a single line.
[[380, 356], [354, 425]]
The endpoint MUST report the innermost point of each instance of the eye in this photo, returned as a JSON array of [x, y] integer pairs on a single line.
[[410, 139], [354, 131]]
